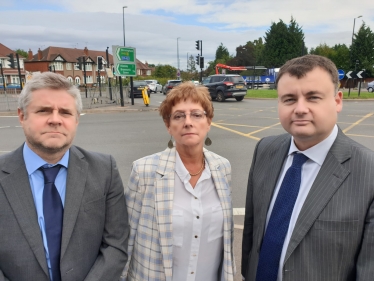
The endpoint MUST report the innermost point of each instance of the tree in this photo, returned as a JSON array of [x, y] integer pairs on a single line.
[[283, 43], [22, 53], [191, 64], [339, 54], [165, 71], [222, 53], [362, 50]]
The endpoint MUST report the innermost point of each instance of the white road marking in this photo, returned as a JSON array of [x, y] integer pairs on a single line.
[[4, 127], [9, 116], [239, 211]]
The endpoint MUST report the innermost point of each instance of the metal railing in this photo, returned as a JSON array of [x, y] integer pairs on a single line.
[[96, 97]]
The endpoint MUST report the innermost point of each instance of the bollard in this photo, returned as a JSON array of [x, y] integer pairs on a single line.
[[145, 97]]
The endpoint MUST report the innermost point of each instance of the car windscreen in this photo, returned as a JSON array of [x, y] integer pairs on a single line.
[[174, 83], [148, 82], [236, 79], [139, 83]]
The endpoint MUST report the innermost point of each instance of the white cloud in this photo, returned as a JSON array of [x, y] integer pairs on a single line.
[[152, 26]]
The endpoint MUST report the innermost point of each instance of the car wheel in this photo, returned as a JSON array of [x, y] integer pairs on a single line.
[[220, 97], [370, 90], [239, 98]]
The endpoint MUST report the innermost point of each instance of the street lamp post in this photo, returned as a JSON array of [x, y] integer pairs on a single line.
[[120, 79], [353, 32], [123, 17], [178, 73]]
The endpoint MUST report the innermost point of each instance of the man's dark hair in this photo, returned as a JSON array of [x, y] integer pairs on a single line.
[[300, 66]]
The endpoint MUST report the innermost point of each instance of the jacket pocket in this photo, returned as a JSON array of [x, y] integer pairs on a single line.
[[178, 228], [336, 225], [95, 204]]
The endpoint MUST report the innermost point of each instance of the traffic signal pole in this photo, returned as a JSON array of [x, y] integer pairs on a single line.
[[201, 66], [109, 79], [19, 71]]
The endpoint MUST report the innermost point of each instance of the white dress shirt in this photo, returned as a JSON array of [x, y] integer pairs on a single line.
[[197, 227], [310, 169]]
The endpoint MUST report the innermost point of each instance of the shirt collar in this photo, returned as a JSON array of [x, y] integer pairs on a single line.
[[33, 161], [183, 173], [318, 152]]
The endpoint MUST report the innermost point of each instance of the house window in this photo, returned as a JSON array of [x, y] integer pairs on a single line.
[[89, 79], [76, 66], [58, 65], [88, 67], [70, 80], [68, 66], [77, 81], [15, 79], [148, 72]]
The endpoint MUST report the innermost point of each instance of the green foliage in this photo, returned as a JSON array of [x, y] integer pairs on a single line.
[[222, 53], [22, 53], [165, 71], [191, 64], [339, 54], [362, 50], [283, 43]]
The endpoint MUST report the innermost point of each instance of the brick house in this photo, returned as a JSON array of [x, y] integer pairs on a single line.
[[64, 61], [10, 74]]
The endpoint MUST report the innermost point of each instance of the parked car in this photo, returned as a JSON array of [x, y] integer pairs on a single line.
[[11, 86], [139, 86], [154, 86], [371, 87], [224, 86], [169, 85]]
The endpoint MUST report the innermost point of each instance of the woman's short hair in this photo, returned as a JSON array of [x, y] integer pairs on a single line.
[[300, 66], [48, 80], [183, 92]]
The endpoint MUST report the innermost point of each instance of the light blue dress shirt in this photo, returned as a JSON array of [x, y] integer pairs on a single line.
[[33, 163]]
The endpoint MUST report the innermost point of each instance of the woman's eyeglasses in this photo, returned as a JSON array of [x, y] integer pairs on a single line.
[[195, 115]]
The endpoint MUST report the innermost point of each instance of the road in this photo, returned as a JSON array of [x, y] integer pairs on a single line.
[[235, 131]]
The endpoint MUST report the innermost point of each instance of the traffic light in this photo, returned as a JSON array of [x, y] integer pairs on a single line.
[[99, 63], [201, 62], [80, 61], [197, 45], [198, 59], [11, 60]]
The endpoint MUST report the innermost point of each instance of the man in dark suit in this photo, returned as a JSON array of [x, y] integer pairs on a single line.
[[62, 209], [309, 208]]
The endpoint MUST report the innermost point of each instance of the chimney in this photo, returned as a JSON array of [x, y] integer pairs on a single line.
[[30, 55], [85, 51], [40, 54], [146, 63]]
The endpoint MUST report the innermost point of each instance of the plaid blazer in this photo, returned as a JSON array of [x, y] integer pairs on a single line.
[[149, 197]]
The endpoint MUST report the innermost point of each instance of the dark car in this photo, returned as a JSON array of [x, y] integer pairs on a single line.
[[224, 86], [170, 85], [138, 88]]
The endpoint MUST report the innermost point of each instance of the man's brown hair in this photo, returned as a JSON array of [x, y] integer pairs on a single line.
[[300, 66]]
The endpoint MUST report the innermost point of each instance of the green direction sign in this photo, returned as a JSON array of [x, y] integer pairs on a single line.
[[124, 60], [126, 69], [125, 55]]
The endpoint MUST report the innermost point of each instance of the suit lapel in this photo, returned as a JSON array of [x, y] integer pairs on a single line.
[[276, 156], [330, 177], [17, 189], [164, 195], [75, 185]]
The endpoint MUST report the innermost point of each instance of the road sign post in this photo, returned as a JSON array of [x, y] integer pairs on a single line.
[[125, 65]]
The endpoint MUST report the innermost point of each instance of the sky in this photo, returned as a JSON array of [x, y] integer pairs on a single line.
[[160, 29]]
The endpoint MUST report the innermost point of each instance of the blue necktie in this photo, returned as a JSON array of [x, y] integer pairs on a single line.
[[53, 215], [272, 244]]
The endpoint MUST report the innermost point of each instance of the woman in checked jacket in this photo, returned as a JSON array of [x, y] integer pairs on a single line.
[[179, 200]]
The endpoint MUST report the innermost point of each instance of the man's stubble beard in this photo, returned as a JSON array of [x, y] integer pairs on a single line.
[[38, 146]]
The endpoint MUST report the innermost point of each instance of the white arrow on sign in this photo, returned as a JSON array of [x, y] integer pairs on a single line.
[[349, 74], [359, 74]]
